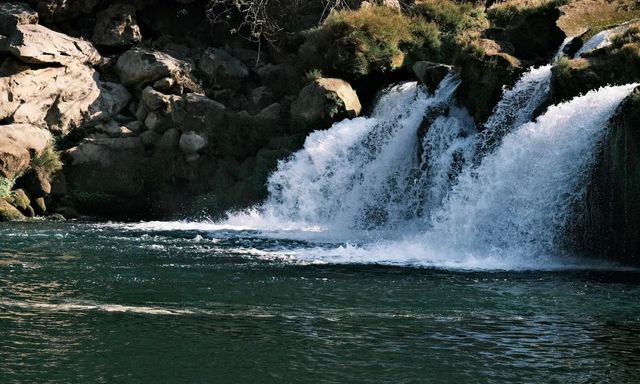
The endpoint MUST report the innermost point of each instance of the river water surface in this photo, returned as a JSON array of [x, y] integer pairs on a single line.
[[89, 303]]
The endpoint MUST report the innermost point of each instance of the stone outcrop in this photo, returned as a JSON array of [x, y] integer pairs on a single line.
[[15, 13], [36, 44], [431, 74], [58, 98], [324, 100]]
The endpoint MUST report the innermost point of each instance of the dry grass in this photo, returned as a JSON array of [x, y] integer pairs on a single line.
[[593, 16]]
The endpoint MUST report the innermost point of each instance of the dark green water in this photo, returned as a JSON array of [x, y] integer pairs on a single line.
[[94, 304]]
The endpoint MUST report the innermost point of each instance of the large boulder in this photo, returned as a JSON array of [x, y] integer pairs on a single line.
[[36, 44], [485, 76], [17, 143], [431, 74], [116, 26], [58, 98], [325, 100], [9, 213], [141, 67], [15, 13]]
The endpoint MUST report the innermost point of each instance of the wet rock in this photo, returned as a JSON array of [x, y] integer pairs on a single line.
[[431, 74], [326, 100], [9, 213]]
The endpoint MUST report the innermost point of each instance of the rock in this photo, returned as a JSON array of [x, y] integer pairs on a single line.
[[15, 13], [152, 121], [155, 100], [9, 213], [114, 129], [141, 112], [483, 78], [40, 206], [221, 69], [198, 113], [165, 85], [325, 100], [573, 46], [190, 144], [431, 74], [58, 98], [36, 44], [107, 166], [17, 143], [116, 26], [58, 218], [272, 112], [141, 67], [134, 126], [35, 182], [59, 10], [149, 138], [536, 36], [280, 78], [20, 200], [262, 97]]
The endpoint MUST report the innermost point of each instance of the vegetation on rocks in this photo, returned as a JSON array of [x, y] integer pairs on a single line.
[[351, 44]]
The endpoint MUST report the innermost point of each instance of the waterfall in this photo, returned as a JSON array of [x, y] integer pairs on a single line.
[[415, 183]]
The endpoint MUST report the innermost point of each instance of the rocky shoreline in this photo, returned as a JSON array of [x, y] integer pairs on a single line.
[[149, 110]]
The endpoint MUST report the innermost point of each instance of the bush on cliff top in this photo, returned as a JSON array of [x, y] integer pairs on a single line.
[[48, 162], [351, 44], [508, 12]]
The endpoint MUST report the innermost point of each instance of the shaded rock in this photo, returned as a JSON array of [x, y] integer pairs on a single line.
[[39, 206], [35, 182], [15, 13], [17, 143], [221, 69], [198, 113], [116, 26], [326, 100], [58, 10], [536, 36], [9, 213], [431, 74], [58, 218], [36, 44], [119, 158], [149, 138]]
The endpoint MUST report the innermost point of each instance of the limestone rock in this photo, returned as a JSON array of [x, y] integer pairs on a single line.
[[140, 67], [59, 98], [35, 182], [325, 100], [15, 13], [117, 27], [17, 143], [36, 44]]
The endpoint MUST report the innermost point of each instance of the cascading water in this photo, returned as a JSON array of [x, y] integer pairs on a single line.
[[415, 183]]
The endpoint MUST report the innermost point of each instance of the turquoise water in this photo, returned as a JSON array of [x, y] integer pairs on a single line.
[[84, 303]]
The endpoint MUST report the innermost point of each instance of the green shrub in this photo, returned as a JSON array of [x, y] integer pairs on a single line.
[[449, 15], [48, 161], [351, 44], [508, 12], [313, 74], [6, 185]]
